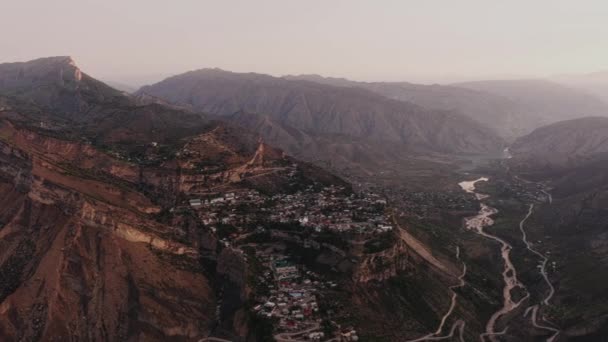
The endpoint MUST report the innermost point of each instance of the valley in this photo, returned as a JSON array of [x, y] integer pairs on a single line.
[[219, 206]]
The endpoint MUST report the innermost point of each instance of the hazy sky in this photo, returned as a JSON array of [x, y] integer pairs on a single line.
[[425, 40]]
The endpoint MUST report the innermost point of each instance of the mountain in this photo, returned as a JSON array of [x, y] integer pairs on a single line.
[[511, 108], [57, 84], [571, 159], [331, 123], [504, 116], [544, 101], [595, 83], [97, 237], [124, 218], [562, 145]]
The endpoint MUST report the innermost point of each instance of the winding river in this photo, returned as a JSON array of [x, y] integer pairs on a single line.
[[477, 224]]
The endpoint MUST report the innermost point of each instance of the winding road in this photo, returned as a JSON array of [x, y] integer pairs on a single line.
[[543, 272], [459, 323], [483, 219], [291, 337]]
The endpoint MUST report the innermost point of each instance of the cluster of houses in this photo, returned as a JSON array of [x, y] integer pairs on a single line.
[[291, 294], [218, 199], [423, 204], [292, 299], [334, 210]]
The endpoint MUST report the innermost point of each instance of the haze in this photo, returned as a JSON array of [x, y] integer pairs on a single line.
[[140, 41]]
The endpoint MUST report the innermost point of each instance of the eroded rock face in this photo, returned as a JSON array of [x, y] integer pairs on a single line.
[[88, 251], [97, 241], [82, 259], [385, 265]]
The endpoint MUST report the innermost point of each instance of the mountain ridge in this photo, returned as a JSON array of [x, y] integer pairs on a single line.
[[320, 109]]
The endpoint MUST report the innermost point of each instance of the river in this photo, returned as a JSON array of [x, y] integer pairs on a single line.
[[477, 224]]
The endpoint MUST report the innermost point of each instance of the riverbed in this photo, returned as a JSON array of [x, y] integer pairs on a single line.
[[477, 224]]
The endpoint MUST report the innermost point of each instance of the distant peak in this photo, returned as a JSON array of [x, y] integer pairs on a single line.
[[53, 60], [314, 77], [56, 69], [305, 76]]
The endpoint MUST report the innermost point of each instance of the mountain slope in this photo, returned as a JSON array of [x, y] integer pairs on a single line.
[[97, 240], [595, 83], [57, 84], [571, 158], [562, 145], [325, 110], [511, 108], [502, 115], [545, 100]]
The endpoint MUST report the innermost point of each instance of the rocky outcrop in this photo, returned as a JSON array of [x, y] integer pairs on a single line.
[[81, 258], [384, 265]]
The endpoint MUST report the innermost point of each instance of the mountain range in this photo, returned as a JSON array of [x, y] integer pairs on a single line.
[[510, 108], [102, 234], [352, 128], [92, 246], [595, 83], [324, 110]]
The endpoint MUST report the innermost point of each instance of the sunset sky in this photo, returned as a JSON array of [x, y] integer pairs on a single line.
[[139, 41]]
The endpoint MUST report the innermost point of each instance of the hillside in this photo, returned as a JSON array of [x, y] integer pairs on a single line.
[[595, 83], [326, 110], [505, 117], [545, 101], [97, 237], [511, 108], [571, 158], [562, 145], [57, 84]]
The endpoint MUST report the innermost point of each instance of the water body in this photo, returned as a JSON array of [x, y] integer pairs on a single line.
[[477, 224]]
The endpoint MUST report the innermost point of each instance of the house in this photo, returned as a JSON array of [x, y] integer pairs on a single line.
[[284, 270], [195, 203], [217, 200], [316, 336], [385, 228]]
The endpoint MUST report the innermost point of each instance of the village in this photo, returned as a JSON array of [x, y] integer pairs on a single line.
[[331, 209], [288, 294], [419, 204], [295, 301]]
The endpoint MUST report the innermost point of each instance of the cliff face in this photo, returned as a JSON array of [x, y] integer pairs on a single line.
[[85, 255], [384, 265], [56, 83], [81, 258]]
